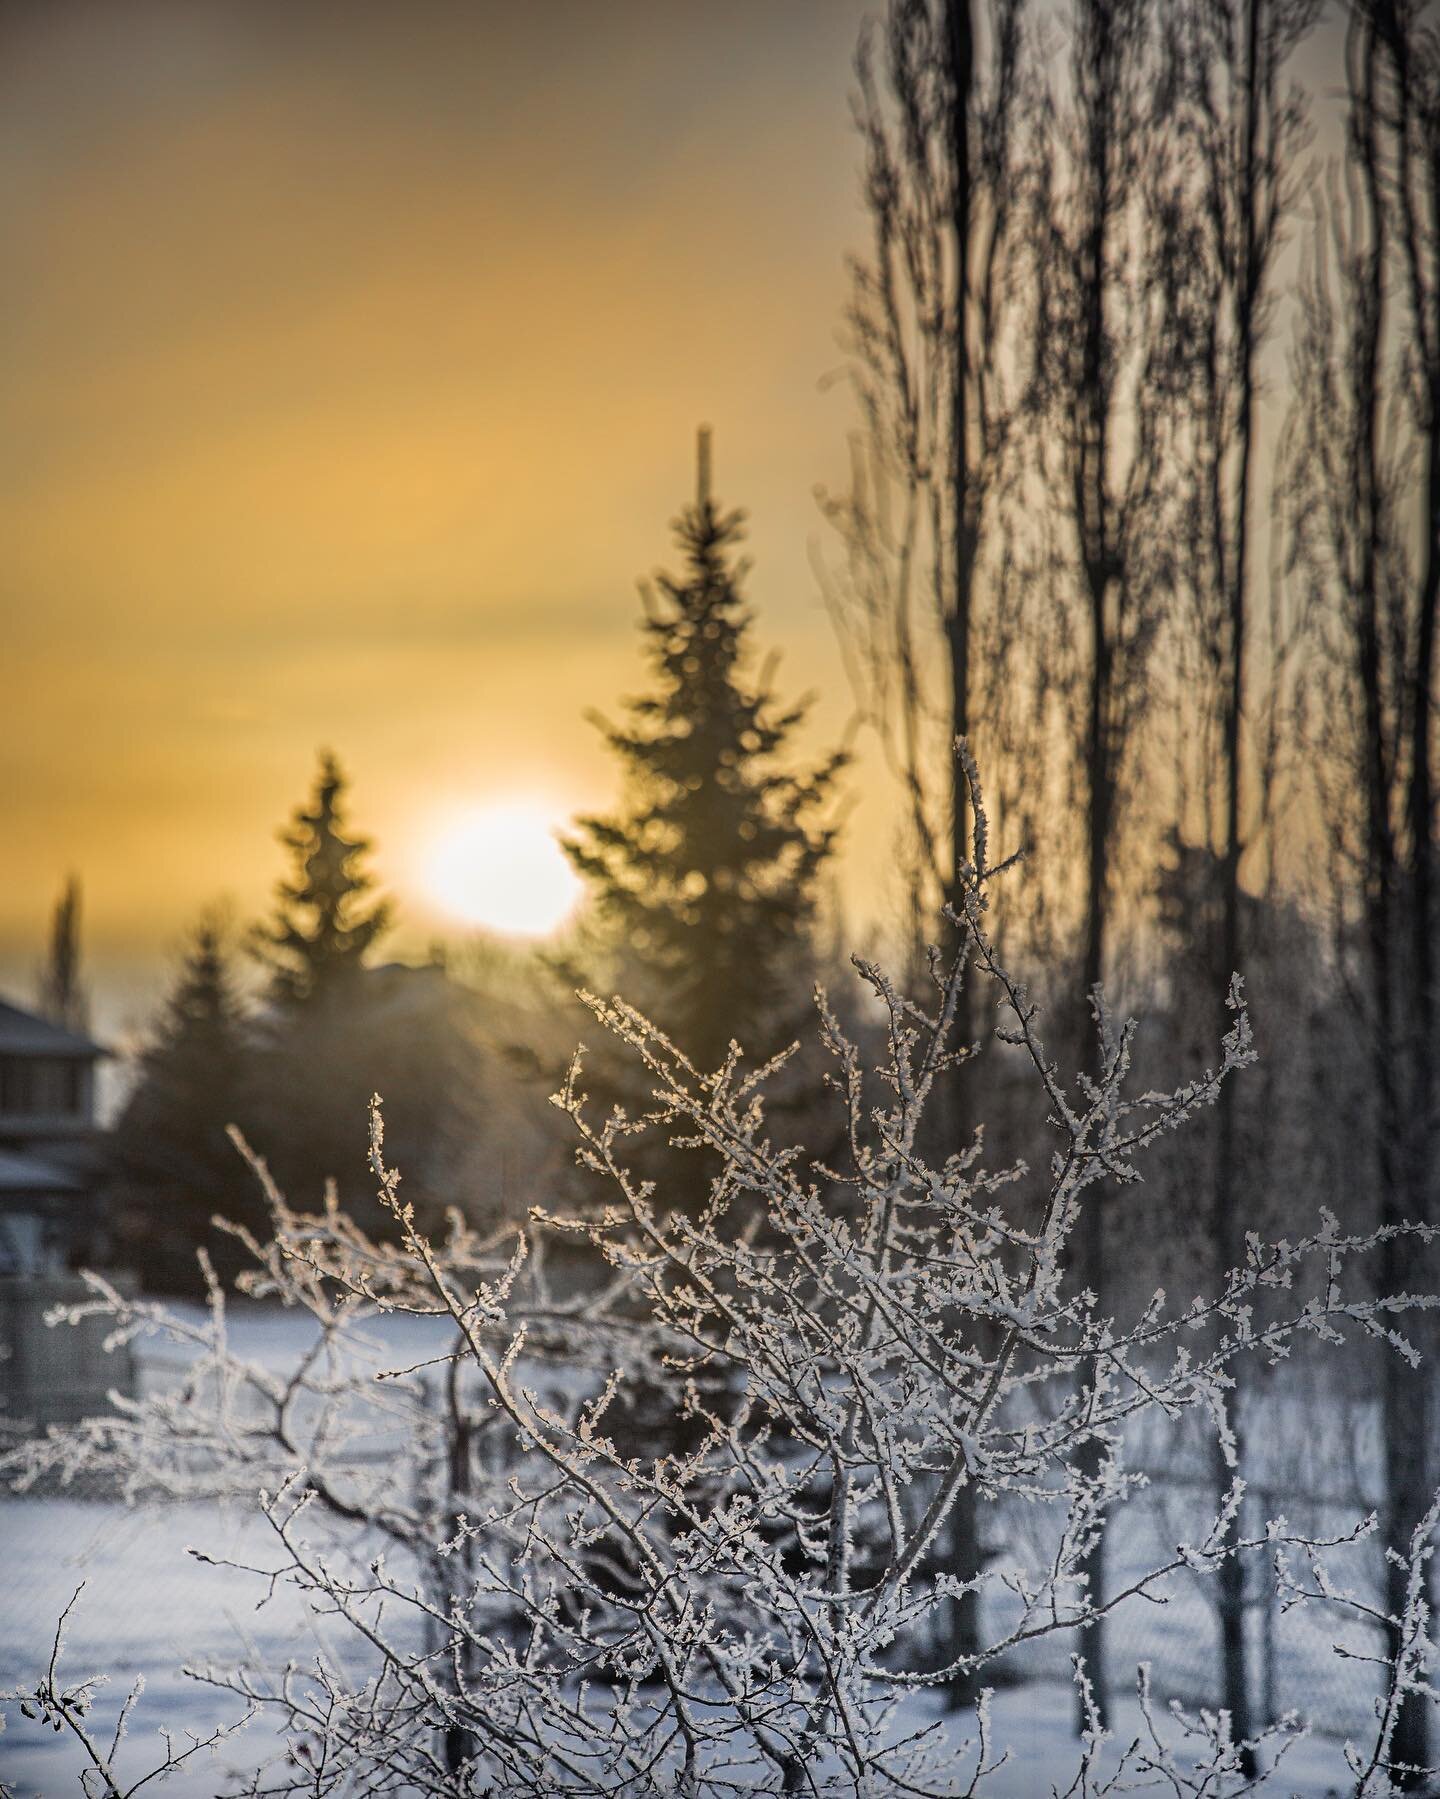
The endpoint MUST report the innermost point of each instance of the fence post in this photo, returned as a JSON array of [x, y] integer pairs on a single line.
[[1269, 1679]]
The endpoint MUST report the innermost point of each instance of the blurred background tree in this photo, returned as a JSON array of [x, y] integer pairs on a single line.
[[197, 1074], [324, 926], [62, 995]]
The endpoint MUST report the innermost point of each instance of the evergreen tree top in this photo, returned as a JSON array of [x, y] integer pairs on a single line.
[[63, 999], [205, 992], [203, 1021], [707, 872], [192, 1078], [323, 926]]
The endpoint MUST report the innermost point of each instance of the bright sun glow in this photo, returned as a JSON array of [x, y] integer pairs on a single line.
[[501, 867]]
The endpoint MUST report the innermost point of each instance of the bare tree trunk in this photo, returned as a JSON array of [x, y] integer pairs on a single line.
[[1091, 1244], [1410, 1407], [1099, 570], [1226, 1231], [1421, 256], [461, 1744], [957, 1109], [1405, 1398], [1366, 373], [960, 40], [928, 313]]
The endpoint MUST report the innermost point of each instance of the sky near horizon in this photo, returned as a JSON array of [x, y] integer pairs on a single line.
[[349, 374]]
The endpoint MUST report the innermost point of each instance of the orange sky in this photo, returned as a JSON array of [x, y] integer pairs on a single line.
[[351, 362]]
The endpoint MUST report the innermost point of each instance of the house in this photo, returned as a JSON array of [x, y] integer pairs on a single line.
[[52, 1166], [51, 1149]]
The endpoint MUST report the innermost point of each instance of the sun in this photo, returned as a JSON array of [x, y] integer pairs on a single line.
[[500, 866]]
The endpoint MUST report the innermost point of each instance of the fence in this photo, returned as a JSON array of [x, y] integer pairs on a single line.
[[1307, 1660], [51, 1376], [148, 1606]]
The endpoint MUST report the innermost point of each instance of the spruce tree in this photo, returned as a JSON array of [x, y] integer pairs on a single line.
[[705, 878], [177, 1166], [318, 1068], [324, 925], [63, 999]]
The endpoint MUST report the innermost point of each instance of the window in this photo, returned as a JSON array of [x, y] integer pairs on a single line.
[[15, 1086], [41, 1086]]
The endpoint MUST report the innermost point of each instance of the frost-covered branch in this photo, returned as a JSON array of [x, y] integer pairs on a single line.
[[673, 1520]]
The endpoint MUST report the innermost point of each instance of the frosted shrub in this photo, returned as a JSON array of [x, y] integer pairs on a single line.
[[538, 1603]]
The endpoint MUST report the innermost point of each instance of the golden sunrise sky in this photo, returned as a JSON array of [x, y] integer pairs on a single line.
[[351, 363]]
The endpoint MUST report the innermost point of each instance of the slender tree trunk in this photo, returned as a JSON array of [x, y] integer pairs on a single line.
[[1422, 802], [1226, 1225], [1420, 796], [1090, 1234], [961, 45], [1405, 1391], [460, 1743], [958, 1112], [1409, 1394], [1101, 576]]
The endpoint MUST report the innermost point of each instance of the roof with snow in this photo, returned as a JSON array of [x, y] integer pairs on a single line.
[[27, 1034]]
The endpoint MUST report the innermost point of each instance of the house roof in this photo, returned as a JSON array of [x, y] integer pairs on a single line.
[[29, 1174], [27, 1034]]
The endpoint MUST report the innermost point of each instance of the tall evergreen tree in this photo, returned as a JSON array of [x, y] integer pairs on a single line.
[[319, 1066], [171, 1149], [62, 996], [324, 924], [707, 873]]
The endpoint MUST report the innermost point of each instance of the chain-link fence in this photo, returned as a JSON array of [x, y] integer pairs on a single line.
[[148, 1607], [1314, 1660]]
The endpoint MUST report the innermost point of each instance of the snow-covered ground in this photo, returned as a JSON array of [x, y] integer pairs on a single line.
[[148, 1608]]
